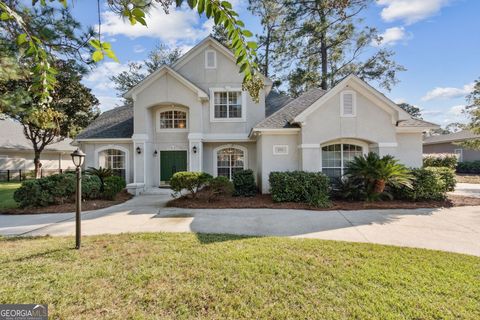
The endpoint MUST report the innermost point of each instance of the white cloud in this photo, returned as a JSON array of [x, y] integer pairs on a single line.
[[448, 92], [457, 110], [138, 48], [392, 36], [410, 11], [109, 102], [180, 25], [98, 79]]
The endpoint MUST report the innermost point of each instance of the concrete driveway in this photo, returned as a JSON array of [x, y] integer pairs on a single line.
[[467, 189], [454, 229]]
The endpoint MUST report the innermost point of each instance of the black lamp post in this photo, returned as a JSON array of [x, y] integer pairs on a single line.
[[77, 158]]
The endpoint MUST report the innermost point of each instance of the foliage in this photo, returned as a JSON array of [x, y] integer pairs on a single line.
[[102, 174], [113, 185], [414, 111], [321, 42], [377, 172], [91, 187], [473, 111], [219, 186], [447, 175], [55, 189], [244, 183], [300, 186], [191, 181], [448, 160], [348, 188], [469, 167], [427, 184]]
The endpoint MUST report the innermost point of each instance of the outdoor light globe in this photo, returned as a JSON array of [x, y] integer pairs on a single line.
[[77, 157]]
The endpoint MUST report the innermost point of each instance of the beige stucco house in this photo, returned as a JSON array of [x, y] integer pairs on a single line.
[[450, 143], [194, 116]]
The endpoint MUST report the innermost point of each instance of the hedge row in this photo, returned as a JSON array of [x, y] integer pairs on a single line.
[[469, 167], [60, 188], [448, 160]]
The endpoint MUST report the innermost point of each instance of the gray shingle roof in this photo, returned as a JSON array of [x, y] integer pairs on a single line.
[[415, 123], [283, 117], [13, 138], [451, 137], [274, 101], [115, 123]]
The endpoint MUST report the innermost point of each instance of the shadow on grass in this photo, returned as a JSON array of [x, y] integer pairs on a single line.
[[40, 254], [20, 238], [207, 238]]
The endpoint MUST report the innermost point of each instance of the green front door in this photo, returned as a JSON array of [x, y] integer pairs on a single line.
[[171, 162]]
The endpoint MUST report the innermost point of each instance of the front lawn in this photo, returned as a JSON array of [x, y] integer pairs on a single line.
[[6, 194], [181, 276]]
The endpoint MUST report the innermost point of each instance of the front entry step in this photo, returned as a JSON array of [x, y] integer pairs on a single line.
[[157, 190]]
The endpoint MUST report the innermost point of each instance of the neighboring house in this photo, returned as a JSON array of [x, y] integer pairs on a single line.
[[194, 116], [449, 143], [16, 151]]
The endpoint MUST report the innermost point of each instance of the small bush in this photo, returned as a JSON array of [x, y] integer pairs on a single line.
[[219, 186], [31, 194], [427, 185], [448, 160], [91, 187], [469, 167], [300, 186], [244, 183], [348, 188], [112, 186], [191, 181], [447, 175]]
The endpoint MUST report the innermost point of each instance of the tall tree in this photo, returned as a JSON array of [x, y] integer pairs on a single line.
[[411, 109], [323, 41], [473, 111], [160, 55]]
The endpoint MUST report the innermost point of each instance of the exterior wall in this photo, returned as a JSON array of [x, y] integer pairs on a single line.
[[449, 147], [409, 150], [209, 159], [92, 150], [271, 162], [23, 160]]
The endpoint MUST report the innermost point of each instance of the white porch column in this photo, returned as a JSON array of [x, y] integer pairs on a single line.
[[195, 152], [139, 160], [311, 157]]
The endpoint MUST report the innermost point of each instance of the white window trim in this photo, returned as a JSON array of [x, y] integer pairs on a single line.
[[173, 108], [212, 105], [275, 152], [354, 101], [341, 143], [127, 158], [214, 59], [226, 146], [460, 154]]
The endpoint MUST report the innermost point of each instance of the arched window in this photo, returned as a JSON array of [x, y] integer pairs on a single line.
[[335, 158], [173, 119], [229, 161], [113, 159]]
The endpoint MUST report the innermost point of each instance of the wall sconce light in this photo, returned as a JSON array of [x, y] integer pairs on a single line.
[[139, 151], [155, 153], [194, 149]]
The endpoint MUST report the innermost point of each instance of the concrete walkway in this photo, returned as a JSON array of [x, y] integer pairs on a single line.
[[453, 229], [467, 189]]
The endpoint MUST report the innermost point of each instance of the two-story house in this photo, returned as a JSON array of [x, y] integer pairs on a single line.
[[194, 116]]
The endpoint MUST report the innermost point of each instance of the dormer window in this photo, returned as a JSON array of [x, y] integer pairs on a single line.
[[348, 104], [210, 59]]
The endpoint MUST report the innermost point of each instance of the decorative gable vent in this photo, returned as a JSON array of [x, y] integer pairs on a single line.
[[210, 59], [348, 102]]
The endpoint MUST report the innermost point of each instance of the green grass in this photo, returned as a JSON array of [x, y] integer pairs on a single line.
[[187, 276], [6, 194]]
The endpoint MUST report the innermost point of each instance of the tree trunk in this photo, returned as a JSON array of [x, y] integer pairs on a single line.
[[323, 51], [267, 52], [379, 186], [38, 165]]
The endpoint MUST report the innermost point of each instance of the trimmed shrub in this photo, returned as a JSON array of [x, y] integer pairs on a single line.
[[300, 186], [427, 185], [219, 186], [447, 175], [244, 183], [31, 194], [448, 160], [469, 167], [112, 186], [91, 187], [191, 181]]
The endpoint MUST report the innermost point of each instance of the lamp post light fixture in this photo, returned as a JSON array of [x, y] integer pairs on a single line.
[[139, 151], [77, 157], [194, 149]]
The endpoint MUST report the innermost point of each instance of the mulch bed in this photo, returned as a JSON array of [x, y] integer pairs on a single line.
[[265, 201], [70, 207]]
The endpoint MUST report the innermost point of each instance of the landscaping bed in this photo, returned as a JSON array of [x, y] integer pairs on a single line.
[[93, 204], [265, 201]]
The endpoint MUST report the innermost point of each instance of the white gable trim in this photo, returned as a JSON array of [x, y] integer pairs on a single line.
[[132, 93], [354, 82]]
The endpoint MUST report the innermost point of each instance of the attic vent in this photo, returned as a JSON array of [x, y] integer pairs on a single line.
[[348, 104], [210, 59]]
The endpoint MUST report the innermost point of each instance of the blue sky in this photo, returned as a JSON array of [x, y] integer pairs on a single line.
[[438, 41]]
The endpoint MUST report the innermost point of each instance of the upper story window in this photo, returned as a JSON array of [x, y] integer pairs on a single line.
[[227, 105], [210, 59], [172, 119], [348, 104]]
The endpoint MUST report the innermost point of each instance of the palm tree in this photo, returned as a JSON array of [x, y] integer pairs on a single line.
[[376, 172], [101, 173]]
